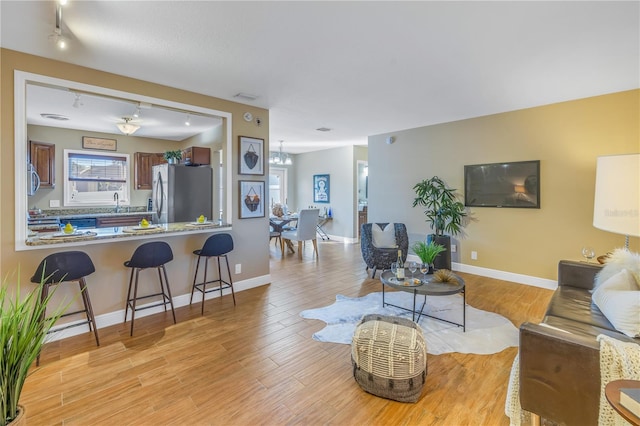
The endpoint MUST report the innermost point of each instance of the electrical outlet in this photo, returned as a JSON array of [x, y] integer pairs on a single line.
[[474, 255], [54, 203], [454, 248], [238, 268]]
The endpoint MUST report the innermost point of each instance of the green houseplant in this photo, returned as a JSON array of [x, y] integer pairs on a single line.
[[23, 330], [427, 252], [443, 211], [173, 156]]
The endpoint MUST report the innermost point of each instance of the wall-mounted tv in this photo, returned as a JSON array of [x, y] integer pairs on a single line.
[[514, 184]]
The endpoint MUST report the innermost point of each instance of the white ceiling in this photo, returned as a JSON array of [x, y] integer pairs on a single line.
[[359, 68]]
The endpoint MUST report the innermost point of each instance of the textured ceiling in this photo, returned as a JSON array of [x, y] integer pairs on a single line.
[[358, 68]]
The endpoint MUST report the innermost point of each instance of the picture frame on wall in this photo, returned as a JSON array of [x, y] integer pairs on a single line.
[[251, 199], [251, 156], [321, 189]]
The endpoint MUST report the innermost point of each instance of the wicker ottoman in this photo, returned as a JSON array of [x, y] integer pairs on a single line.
[[389, 357]]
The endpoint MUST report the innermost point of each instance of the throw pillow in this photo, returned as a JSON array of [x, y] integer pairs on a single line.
[[384, 237], [619, 300], [618, 260]]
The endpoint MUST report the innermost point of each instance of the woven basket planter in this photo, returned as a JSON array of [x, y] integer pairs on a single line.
[[389, 357]]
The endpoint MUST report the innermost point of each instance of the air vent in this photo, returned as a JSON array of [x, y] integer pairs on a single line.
[[54, 117], [245, 97], [323, 129]]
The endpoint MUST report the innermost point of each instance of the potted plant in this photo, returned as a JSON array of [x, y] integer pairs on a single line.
[[173, 157], [444, 213], [23, 330], [427, 252]]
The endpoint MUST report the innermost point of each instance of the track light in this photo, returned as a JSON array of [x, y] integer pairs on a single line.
[[188, 121], [136, 114], [78, 102], [56, 37]]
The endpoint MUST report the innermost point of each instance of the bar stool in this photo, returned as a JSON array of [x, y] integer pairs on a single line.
[[217, 245], [68, 266], [149, 255]]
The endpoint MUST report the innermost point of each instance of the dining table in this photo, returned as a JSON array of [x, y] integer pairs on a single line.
[[278, 223]]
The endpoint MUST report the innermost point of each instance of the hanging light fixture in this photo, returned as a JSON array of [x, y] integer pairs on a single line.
[[127, 128], [280, 157], [56, 36], [78, 102], [188, 121]]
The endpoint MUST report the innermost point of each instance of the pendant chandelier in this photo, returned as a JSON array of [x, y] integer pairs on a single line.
[[127, 128], [280, 157]]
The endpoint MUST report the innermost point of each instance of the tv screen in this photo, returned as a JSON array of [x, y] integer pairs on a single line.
[[515, 184]]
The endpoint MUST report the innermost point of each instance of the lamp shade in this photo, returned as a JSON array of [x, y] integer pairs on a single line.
[[617, 196]]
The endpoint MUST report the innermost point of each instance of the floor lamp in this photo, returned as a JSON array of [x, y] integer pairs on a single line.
[[617, 197]]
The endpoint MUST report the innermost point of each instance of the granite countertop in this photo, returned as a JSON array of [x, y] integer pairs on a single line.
[[104, 235]]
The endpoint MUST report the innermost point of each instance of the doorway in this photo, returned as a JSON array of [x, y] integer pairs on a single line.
[[278, 186]]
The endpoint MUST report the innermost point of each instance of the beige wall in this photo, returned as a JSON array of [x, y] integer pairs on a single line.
[[566, 138], [109, 282]]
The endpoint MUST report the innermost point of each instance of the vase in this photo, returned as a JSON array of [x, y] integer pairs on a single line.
[[21, 419]]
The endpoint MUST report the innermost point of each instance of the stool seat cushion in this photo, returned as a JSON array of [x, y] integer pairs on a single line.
[[389, 357]]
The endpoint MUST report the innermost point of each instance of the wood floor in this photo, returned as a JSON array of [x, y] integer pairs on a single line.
[[256, 364]]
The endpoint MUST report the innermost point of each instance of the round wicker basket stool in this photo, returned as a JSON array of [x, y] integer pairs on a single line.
[[389, 357]]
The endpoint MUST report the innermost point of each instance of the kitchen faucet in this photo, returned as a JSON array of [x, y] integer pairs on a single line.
[[116, 198]]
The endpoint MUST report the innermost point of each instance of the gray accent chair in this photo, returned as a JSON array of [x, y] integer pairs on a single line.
[[382, 258]]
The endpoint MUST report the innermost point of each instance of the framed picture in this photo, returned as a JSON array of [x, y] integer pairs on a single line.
[[99, 143], [251, 156], [321, 188], [251, 199]]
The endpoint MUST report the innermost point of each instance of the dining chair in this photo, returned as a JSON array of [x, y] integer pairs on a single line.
[[306, 230]]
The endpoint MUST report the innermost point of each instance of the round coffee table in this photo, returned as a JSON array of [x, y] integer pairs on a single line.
[[612, 393], [427, 287]]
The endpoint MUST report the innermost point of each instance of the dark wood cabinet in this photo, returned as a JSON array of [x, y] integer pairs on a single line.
[[362, 218], [42, 156], [108, 221], [197, 155], [143, 164]]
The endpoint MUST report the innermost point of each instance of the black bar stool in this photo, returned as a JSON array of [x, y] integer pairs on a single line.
[[217, 245], [149, 255], [68, 266]]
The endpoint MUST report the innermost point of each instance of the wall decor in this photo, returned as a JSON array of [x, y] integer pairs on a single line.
[[251, 199], [99, 143], [251, 156], [321, 189], [513, 184]]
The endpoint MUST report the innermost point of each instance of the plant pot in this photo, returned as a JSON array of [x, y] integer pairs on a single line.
[[21, 420], [172, 161], [443, 260]]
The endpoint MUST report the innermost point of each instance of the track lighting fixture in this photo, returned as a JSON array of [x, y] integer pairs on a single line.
[[77, 103], [188, 121], [56, 36]]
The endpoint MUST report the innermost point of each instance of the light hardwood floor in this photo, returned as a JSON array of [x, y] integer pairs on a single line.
[[257, 364]]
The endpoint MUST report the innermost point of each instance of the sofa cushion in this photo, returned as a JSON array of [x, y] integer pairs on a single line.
[[619, 300], [618, 260], [383, 237], [575, 304]]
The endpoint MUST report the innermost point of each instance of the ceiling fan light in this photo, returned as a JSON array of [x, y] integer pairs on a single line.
[[126, 127]]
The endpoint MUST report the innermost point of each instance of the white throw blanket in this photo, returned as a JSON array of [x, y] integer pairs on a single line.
[[618, 360]]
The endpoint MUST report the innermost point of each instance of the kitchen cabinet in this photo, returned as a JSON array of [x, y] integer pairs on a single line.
[[196, 155], [143, 164], [115, 221], [42, 156], [362, 218]]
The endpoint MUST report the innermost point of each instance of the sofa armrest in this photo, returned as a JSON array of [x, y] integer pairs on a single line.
[[577, 274], [559, 375]]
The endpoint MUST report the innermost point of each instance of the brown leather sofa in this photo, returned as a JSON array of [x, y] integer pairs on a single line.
[[560, 366]]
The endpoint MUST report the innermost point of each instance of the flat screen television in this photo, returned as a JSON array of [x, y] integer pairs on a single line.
[[514, 184]]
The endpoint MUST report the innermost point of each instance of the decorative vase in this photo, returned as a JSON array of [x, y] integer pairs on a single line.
[[171, 160], [21, 419]]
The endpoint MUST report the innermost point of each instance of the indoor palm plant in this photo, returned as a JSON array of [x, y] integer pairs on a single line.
[[427, 252], [23, 329], [443, 211]]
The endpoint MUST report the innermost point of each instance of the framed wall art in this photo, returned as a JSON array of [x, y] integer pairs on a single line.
[[251, 199], [251, 156], [99, 143], [321, 189]]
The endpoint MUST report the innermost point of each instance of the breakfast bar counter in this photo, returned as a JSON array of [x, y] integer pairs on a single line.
[[106, 235]]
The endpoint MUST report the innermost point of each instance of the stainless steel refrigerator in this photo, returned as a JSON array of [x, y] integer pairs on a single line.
[[182, 193]]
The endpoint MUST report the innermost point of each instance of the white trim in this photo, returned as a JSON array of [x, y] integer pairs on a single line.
[[116, 317], [21, 79], [499, 275]]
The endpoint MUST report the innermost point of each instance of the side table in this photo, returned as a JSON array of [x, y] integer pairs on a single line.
[[612, 392]]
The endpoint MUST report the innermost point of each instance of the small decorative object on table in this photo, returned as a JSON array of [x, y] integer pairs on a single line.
[[277, 210], [444, 276], [427, 252]]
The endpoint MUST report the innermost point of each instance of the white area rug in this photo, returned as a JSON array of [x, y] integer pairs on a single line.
[[487, 332]]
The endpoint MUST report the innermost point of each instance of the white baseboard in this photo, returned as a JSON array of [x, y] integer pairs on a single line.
[[499, 275], [117, 317]]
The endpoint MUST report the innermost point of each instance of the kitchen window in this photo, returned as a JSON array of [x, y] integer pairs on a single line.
[[95, 178]]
